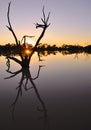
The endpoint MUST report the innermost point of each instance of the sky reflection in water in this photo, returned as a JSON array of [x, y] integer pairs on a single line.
[[64, 85]]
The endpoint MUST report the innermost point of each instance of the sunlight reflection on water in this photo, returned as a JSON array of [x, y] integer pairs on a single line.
[[64, 84]]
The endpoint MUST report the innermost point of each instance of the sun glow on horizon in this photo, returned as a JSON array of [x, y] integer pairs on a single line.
[[27, 51]]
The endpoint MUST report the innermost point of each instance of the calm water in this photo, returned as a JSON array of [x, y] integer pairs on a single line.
[[57, 95]]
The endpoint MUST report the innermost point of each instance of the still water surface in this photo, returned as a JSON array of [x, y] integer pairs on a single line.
[[57, 97]]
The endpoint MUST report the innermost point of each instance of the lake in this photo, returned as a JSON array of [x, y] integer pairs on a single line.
[[53, 94]]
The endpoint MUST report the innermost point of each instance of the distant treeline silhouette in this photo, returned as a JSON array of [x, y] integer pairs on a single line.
[[41, 49], [64, 49], [44, 49]]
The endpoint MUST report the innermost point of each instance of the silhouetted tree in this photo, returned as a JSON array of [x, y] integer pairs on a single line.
[[25, 60], [43, 26]]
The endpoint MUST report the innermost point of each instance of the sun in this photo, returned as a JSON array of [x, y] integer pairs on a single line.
[[27, 51]]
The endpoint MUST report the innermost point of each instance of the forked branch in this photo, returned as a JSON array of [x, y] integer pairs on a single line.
[[10, 27], [43, 26], [44, 20]]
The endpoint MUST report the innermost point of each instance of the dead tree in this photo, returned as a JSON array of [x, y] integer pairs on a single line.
[[43, 26], [26, 60]]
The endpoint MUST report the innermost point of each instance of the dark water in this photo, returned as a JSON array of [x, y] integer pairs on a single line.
[[57, 95]]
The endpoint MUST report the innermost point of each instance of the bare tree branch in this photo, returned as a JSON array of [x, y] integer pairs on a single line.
[[24, 38], [10, 27], [43, 13], [43, 26]]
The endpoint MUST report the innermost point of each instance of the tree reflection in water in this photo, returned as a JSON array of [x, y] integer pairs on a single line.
[[25, 78]]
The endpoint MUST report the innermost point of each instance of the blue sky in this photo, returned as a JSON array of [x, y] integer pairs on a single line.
[[70, 20]]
